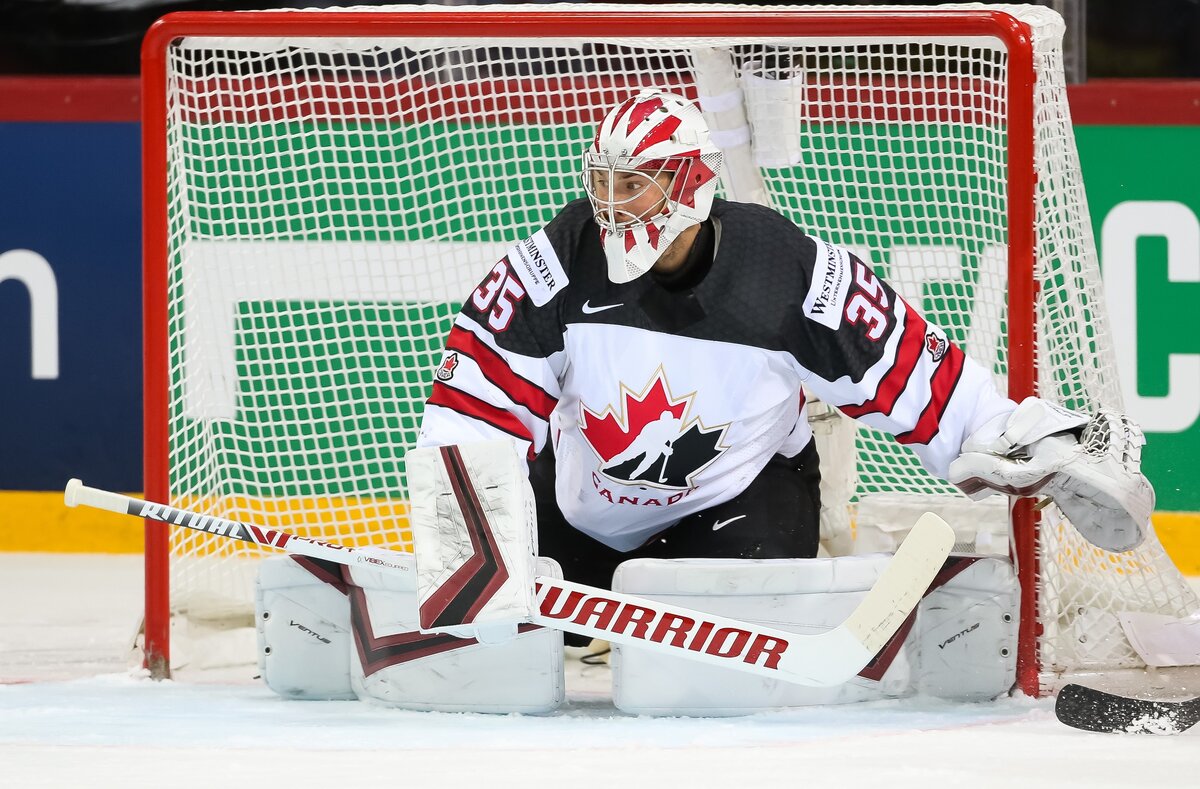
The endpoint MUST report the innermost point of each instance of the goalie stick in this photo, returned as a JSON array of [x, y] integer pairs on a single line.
[[1094, 710], [77, 493], [819, 659]]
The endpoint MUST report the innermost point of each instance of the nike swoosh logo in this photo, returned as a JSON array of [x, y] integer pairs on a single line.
[[588, 309], [719, 524]]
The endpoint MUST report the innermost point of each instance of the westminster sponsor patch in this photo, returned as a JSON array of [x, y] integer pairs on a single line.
[[831, 281], [538, 268]]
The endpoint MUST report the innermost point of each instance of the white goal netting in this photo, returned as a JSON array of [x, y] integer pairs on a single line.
[[331, 200]]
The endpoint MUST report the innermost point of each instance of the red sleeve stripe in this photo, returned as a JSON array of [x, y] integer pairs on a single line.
[[468, 405], [896, 380], [496, 370], [944, 382]]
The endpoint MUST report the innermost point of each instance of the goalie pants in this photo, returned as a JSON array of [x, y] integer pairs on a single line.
[[776, 517]]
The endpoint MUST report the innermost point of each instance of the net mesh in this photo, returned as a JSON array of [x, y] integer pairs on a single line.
[[331, 201]]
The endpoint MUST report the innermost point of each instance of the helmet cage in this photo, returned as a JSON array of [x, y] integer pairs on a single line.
[[609, 209]]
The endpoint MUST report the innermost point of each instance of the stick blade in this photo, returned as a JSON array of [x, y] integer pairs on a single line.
[[837, 655], [903, 583], [1090, 709]]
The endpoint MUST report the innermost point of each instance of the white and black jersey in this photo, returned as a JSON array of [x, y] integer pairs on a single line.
[[663, 398]]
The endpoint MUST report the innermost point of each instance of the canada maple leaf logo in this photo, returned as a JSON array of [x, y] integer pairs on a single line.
[[936, 346], [446, 371], [653, 440]]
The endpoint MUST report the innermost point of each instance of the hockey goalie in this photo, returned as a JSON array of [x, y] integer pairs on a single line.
[[625, 396]]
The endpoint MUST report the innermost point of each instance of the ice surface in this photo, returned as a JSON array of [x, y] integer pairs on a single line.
[[73, 715]]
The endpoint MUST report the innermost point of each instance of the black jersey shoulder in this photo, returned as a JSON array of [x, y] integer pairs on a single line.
[[510, 314], [763, 242], [757, 282], [754, 214], [776, 263], [568, 229], [763, 264]]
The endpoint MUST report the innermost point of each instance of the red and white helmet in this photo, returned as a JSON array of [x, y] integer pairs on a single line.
[[655, 143]]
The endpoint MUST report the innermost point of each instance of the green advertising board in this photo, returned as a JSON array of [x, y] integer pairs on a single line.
[[1143, 190], [1140, 183]]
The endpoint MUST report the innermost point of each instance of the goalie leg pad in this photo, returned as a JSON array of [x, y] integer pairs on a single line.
[[965, 635], [961, 645], [798, 595], [303, 628], [393, 662]]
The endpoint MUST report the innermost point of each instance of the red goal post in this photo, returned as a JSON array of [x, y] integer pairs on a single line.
[[229, 96]]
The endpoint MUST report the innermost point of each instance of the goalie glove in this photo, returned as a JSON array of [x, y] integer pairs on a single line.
[[1089, 467]]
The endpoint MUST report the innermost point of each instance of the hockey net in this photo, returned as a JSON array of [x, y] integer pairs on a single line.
[[324, 187]]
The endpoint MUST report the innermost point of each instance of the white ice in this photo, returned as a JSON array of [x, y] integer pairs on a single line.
[[73, 715]]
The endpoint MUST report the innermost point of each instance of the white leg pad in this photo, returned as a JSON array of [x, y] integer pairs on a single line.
[[304, 639], [396, 664], [811, 596], [966, 634]]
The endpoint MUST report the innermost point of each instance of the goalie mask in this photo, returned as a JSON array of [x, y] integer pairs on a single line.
[[651, 173]]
